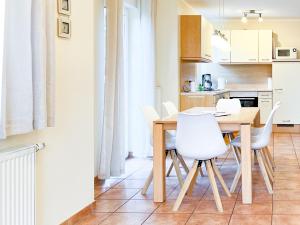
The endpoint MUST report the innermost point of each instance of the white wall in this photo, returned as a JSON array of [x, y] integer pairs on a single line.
[[65, 169], [167, 50]]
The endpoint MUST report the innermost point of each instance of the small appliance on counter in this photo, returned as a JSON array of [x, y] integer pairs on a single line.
[[206, 82], [221, 83]]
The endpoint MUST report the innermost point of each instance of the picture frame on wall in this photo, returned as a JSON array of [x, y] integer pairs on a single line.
[[64, 27], [64, 7]]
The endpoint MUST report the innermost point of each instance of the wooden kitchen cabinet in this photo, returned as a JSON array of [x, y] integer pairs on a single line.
[[265, 46], [188, 101], [195, 38], [244, 46]]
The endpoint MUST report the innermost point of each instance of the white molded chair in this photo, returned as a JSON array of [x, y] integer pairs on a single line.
[[172, 110], [199, 137], [231, 106], [259, 144], [151, 115]]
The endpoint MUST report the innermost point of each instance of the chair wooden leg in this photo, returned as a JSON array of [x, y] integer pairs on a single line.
[[267, 165], [263, 171], [170, 170], [185, 167], [213, 184], [267, 151], [220, 178], [186, 185], [177, 169], [147, 183], [193, 182], [236, 179]]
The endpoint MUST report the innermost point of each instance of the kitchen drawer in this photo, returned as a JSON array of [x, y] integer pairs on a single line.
[[265, 94]]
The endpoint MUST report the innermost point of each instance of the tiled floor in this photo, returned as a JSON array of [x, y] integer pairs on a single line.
[[118, 200]]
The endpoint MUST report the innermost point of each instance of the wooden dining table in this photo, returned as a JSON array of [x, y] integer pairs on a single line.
[[241, 122]]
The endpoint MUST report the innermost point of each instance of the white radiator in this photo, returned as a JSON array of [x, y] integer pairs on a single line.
[[17, 185]]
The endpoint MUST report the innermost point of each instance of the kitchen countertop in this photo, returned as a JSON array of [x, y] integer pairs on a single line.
[[217, 92]]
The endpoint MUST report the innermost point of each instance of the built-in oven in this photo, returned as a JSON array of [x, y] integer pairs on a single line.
[[247, 99]]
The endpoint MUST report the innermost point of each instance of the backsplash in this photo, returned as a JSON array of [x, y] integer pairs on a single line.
[[237, 76]]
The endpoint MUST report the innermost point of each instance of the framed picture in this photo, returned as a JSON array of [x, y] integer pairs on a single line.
[[64, 7], [64, 27]]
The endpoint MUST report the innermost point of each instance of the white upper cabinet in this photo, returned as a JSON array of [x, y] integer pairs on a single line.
[[244, 46], [265, 46], [207, 30], [222, 55]]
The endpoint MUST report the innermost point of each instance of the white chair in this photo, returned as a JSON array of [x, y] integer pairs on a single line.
[[232, 106], [151, 115], [172, 110], [259, 144], [199, 137]]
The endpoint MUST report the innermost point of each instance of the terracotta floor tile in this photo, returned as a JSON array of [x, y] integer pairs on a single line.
[[259, 196], [125, 219], [286, 219], [253, 209], [108, 205], [93, 219], [287, 184], [130, 184], [286, 207], [168, 219], [210, 196], [108, 182], [251, 220], [208, 207], [185, 207], [119, 194], [286, 195], [139, 206], [208, 219]]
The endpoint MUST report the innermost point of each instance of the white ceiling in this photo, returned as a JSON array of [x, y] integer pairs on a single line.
[[234, 8]]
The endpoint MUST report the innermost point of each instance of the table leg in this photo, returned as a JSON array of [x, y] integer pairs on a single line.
[[159, 163], [246, 163]]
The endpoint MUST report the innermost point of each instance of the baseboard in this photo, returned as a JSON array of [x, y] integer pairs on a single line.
[[82, 213], [289, 129]]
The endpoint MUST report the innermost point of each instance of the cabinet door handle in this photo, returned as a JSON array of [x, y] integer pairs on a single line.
[[265, 59], [278, 89], [252, 59], [266, 101], [286, 121]]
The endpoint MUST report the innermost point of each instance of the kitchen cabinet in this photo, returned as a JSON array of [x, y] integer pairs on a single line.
[[190, 100], [195, 38], [265, 104], [286, 79], [244, 46], [265, 46], [222, 55]]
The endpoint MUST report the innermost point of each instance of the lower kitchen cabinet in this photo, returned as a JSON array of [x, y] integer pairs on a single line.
[[188, 101], [265, 107]]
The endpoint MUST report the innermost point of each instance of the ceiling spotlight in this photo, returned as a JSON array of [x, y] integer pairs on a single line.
[[260, 19], [244, 18], [251, 13]]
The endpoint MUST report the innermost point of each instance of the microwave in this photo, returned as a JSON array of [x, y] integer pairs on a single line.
[[286, 53]]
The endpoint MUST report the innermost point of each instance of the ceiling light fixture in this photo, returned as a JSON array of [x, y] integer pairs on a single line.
[[251, 12]]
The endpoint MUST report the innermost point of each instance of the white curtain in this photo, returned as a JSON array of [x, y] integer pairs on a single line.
[[27, 97], [142, 76], [111, 154]]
